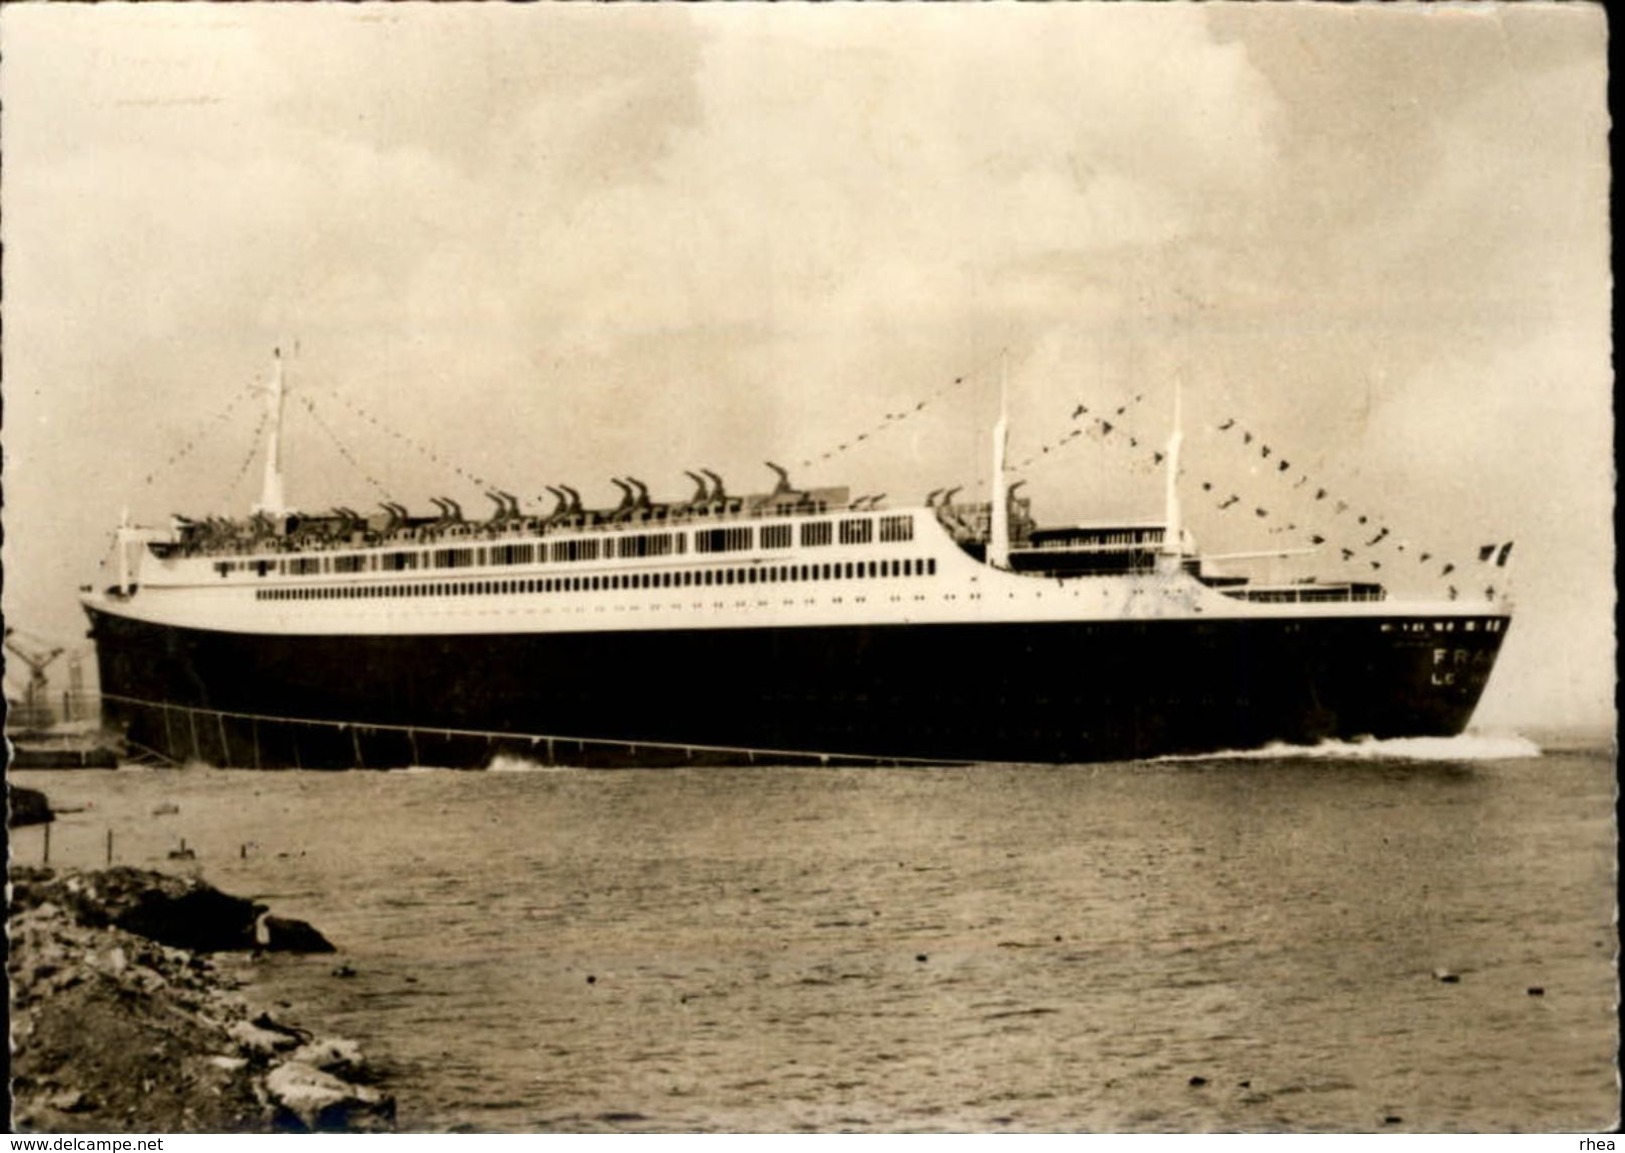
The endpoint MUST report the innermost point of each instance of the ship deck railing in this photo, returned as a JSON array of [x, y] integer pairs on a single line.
[[1305, 594], [1151, 547]]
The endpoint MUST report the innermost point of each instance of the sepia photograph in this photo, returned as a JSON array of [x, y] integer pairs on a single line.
[[808, 568]]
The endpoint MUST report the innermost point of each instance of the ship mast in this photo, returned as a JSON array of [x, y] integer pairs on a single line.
[[998, 545], [123, 549], [272, 502], [1173, 522]]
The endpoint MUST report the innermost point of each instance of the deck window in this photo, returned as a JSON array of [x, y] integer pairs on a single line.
[[723, 539], [569, 550], [642, 545], [513, 554], [817, 532], [896, 528], [858, 531], [453, 557]]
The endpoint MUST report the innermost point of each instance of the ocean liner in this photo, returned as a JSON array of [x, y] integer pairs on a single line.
[[791, 626]]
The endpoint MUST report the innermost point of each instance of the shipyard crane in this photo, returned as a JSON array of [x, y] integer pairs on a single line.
[[36, 705]]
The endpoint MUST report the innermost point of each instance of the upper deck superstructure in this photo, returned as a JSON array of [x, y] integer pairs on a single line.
[[760, 560]]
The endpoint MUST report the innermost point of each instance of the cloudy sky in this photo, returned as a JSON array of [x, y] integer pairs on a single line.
[[526, 245]]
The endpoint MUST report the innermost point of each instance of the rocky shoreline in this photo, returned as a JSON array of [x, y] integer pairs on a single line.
[[127, 1014]]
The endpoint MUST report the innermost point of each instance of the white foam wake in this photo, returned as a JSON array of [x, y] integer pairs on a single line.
[[1466, 747], [508, 763]]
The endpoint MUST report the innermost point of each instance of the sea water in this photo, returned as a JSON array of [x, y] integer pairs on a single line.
[[1399, 936]]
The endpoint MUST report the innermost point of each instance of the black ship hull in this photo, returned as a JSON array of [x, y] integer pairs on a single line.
[[1017, 692]]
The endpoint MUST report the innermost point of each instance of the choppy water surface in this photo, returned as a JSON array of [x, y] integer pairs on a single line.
[[988, 948]]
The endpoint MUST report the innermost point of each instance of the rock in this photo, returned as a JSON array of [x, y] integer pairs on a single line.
[[180, 911], [26, 807], [1446, 977], [313, 1101], [339, 1056], [148, 980], [1198, 1082], [268, 1022], [150, 1037], [260, 1042], [1535, 991], [69, 1101], [286, 935]]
